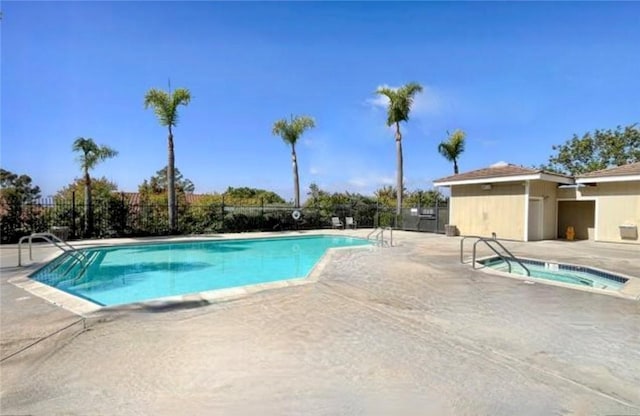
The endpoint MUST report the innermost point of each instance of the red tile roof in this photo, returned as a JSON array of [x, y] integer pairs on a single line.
[[134, 197]]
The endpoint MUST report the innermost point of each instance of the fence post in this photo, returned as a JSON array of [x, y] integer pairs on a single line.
[[222, 207], [123, 214], [437, 215], [73, 213], [376, 219], [262, 227]]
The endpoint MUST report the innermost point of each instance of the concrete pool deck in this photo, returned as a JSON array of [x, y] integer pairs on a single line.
[[404, 330]]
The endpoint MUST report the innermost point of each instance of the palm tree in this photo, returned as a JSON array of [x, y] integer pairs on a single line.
[[452, 148], [165, 105], [400, 101], [90, 155], [290, 131]]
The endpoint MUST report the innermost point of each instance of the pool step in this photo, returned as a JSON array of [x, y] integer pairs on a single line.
[[68, 269]]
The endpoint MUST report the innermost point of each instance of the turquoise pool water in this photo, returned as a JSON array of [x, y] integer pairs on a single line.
[[133, 273], [577, 275]]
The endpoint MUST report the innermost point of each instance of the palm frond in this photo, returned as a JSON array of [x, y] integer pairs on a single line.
[[446, 151], [400, 101], [291, 130], [91, 153], [457, 141], [165, 105], [453, 147]]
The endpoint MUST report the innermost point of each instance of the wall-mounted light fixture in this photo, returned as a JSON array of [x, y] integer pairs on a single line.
[[486, 187]]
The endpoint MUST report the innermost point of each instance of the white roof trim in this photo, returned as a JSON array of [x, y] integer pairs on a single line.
[[596, 179], [514, 178]]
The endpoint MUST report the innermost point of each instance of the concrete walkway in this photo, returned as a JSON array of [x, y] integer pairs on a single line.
[[406, 330]]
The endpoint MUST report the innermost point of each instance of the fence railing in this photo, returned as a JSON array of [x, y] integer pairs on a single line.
[[117, 217]]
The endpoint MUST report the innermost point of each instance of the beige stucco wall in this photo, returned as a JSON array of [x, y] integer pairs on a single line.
[[548, 192], [618, 203], [481, 212]]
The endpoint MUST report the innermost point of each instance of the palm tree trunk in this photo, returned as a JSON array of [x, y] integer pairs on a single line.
[[171, 184], [455, 166], [399, 170], [296, 184], [88, 205]]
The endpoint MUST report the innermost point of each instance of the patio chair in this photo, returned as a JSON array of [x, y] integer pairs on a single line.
[[336, 223], [350, 222]]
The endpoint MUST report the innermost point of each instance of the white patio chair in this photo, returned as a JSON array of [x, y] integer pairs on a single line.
[[349, 222]]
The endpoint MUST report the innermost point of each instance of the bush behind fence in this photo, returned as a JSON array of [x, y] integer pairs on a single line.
[[120, 218]]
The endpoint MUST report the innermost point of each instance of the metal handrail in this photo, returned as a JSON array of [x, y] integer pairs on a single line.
[[473, 261], [373, 231], [462, 245], [379, 236], [506, 259], [51, 238], [487, 241]]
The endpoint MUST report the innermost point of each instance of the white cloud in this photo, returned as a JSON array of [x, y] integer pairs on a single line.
[[358, 183], [314, 170], [370, 182]]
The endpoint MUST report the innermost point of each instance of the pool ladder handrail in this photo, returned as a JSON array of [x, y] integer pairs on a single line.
[[488, 241], [378, 234], [50, 238]]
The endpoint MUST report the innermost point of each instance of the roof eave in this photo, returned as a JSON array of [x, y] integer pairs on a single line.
[[618, 178], [513, 178]]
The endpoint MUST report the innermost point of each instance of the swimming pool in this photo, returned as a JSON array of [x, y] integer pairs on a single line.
[[133, 273], [565, 273]]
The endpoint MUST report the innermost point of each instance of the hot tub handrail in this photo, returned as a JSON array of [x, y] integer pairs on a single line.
[[506, 259], [51, 238]]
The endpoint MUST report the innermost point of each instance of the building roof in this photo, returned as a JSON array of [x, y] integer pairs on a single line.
[[501, 172], [627, 172], [134, 197]]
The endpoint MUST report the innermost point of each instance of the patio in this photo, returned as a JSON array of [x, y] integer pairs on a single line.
[[404, 330]]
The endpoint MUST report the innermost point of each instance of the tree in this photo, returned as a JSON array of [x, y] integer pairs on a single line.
[[158, 183], [598, 150], [251, 196], [18, 187], [101, 188], [165, 105], [400, 101], [290, 131], [108, 210], [452, 148], [426, 198], [16, 191], [387, 195], [90, 155]]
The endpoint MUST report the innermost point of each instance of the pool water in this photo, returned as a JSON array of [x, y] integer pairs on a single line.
[[133, 273], [581, 276]]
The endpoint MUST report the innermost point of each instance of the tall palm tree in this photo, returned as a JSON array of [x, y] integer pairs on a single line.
[[90, 155], [290, 131], [453, 147], [165, 105], [400, 101]]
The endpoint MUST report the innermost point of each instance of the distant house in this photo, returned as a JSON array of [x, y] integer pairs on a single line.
[[527, 204], [134, 198]]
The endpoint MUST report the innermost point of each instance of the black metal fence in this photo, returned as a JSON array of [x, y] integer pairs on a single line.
[[118, 217]]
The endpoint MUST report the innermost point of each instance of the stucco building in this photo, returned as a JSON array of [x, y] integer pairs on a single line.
[[527, 204]]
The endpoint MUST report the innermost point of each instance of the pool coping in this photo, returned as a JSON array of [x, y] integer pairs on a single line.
[[84, 307], [630, 290]]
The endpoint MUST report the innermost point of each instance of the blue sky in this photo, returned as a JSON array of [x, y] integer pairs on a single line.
[[517, 77]]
